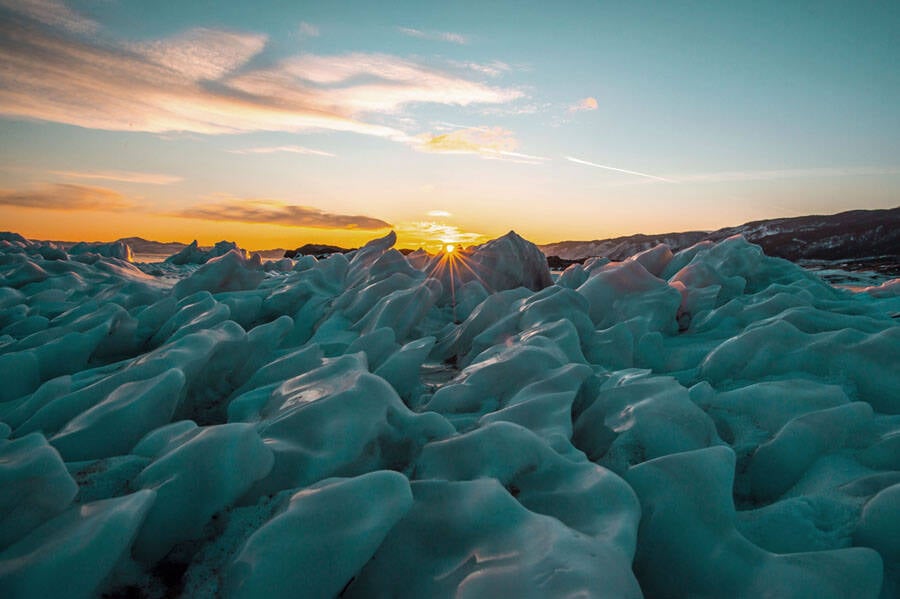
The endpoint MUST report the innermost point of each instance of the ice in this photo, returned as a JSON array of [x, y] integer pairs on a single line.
[[72, 554], [306, 416], [490, 545], [401, 369], [503, 263], [35, 486], [196, 479], [635, 418], [688, 545], [586, 497], [778, 464], [865, 363], [879, 528], [116, 249], [116, 424], [710, 422], [232, 271], [193, 254], [627, 290], [324, 537]]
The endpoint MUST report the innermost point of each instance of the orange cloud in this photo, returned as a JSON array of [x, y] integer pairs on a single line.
[[474, 140], [123, 176], [279, 213], [432, 235], [287, 149], [204, 81], [589, 103], [494, 143], [64, 196]]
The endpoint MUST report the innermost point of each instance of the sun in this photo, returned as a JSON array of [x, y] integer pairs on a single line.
[[449, 248]]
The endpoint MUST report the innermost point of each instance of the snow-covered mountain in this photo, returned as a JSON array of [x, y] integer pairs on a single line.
[[846, 236]]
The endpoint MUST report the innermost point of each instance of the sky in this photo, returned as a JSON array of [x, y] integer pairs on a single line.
[[280, 123]]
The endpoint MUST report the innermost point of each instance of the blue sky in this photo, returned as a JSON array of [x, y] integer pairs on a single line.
[[280, 123]]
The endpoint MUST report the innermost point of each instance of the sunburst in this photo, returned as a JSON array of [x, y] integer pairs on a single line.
[[453, 267]]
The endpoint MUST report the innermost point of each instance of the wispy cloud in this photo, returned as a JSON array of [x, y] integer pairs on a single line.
[[308, 30], [53, 13], [515, 109], [123, 176], [288, 149], [439, 214], [205, 81], [442, 36], [201, 54], [589, 103], [495, 143], [772, 175], [363, 83], [474, 140], [279, 213], [64, 196], [618, 170], [494, 68], [517, 157]]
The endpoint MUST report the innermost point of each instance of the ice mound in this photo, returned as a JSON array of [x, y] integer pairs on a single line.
[[504, 263], [116, 249], [708, 422], [193, 254]]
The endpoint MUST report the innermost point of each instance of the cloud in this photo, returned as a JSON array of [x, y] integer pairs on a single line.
[[493, 143], [201, 54], [476, 140], [619, 170], [495, 68], [515, 109], [279, 213], [288, 149], [205, 81], [518, 157], [430, 233], [308, 30], [439, 214], [589, 103], [361, 83], [442, 36], [64, 196], [777, 174], [53, 13], [772, 175], [123, 176]]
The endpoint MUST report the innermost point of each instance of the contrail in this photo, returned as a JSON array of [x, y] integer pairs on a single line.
[[621, 170]]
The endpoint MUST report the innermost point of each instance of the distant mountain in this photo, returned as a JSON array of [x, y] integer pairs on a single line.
[[849, 236]]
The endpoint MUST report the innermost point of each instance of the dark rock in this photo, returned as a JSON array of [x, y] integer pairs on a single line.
[[318, 250]]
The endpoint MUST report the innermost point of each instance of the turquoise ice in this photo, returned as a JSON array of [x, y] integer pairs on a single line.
[[712, 422]]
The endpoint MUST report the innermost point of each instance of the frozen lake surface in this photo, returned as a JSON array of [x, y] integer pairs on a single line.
[[711, 423]]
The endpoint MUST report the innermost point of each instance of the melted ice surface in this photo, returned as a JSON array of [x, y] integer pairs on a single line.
[[712, 422]]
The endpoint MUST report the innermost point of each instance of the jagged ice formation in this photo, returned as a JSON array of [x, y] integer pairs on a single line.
[[709, 423]]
